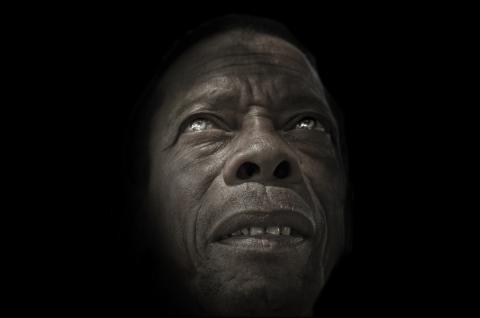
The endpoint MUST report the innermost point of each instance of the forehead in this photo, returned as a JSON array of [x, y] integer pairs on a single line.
[[237, 62], [240, 48]]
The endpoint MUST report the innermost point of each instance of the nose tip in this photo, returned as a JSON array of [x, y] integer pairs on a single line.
[[244, 168], [249, 169]]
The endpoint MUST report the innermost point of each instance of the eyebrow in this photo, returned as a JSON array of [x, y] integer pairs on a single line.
[[205, 100], [214, 101]]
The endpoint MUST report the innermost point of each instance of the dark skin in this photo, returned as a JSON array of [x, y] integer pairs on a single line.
[[243, 140]]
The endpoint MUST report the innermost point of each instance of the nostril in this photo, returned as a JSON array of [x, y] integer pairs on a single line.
[[282, 170], [247, 170]]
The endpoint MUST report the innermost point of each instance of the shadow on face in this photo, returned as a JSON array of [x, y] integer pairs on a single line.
[[246, 187]]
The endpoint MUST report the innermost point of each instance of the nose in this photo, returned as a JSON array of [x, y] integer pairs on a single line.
[[264, 158]]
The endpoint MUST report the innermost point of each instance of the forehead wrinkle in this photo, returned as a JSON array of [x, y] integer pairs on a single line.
[[220, 62], [258, 86], [258, 63]]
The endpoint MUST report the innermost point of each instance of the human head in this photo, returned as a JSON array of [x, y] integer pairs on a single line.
[[239, 133]]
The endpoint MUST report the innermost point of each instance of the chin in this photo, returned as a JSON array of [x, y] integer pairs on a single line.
[[240, 283], [253, 294]]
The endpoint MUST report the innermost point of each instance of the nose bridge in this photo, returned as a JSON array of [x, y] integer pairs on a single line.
[[259, 140]]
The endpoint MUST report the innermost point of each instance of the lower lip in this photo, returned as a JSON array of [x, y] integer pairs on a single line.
[[263, 242]]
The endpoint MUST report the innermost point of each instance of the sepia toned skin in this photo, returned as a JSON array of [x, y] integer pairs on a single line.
[[244, 136]]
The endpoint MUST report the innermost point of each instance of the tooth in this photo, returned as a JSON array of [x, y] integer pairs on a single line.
[[254, 230], [273, 230], [285, 230], [237, 233], [245, 231]]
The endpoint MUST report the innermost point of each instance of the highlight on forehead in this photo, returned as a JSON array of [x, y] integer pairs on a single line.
[[245, 41], [244, 47]]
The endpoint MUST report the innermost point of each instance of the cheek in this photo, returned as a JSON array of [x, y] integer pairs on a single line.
[[178, 184], [192, 168], [178, 180], [325, 176], [326, 179]]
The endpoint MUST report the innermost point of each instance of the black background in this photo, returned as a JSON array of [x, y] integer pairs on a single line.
[[84, 69]]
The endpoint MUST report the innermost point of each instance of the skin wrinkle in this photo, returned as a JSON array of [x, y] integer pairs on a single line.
[[247, 58], [256, 102], [275, 57], [257, 64], [324, 223], [195, 244]]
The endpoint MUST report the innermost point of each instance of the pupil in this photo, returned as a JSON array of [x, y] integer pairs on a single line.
[[306, 123], [198, 125]]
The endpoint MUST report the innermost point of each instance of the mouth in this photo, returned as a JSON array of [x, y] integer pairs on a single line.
[[255, 229]]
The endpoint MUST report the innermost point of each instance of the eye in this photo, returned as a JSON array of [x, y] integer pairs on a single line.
[[199, 124], [309, 123]]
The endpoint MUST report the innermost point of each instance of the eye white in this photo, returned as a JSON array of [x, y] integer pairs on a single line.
[[309, 124], [199, 125]]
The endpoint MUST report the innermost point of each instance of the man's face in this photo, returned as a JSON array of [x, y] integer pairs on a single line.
[[246, 187]]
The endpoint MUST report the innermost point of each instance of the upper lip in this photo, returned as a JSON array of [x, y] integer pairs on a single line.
[[295, 219]]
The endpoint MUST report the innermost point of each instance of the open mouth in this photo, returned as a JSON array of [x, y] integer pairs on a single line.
[[271, 231], [264, 229]]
